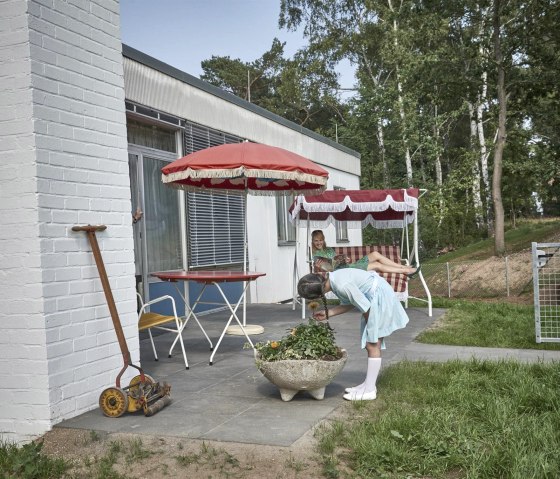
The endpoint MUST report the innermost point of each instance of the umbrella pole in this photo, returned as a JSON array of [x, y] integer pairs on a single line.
[[245, 253], [235, 330]]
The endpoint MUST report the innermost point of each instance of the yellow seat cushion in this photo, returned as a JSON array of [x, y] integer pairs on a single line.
[[149, 320]]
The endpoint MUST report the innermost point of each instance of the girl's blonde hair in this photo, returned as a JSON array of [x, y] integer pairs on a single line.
[[313, 235]]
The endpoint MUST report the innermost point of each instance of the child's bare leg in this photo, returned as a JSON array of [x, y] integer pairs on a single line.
[[375, 257], [384, 268]]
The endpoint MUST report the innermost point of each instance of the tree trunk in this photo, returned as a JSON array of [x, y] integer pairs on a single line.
[[381, 143], [499, 240], [407, 156], [482, 99], [477, 200]]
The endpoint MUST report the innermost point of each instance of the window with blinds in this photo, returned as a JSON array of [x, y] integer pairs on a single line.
[[215, 221]]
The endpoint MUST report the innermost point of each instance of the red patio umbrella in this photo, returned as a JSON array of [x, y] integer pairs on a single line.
[[246, 167]]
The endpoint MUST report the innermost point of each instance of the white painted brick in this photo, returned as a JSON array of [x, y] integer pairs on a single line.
[[13, 38], [84, 343], [40, 25], [22, 352], [81, 4], [72, 331], [53, 17], [103, 351], [32, 396], [76, 203], [51, 201], [59, 349], [48, 143], [56, 289], [72, 119], [85, 401], [58, 319], [64, 304], [24, 366], [68, 362], [32, 337], [69, 218], [60, 378], [93, 299], [86, 136], [63, 409], [15, 381], [75, 389], [28, 306]]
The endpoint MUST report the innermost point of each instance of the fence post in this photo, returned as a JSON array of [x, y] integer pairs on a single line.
[[448, 281], [507, 276]]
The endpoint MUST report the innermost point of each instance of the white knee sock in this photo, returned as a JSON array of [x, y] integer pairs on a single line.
[[374, 366]]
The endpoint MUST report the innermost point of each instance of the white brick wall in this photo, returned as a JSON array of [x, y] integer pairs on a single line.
[[63, 161]]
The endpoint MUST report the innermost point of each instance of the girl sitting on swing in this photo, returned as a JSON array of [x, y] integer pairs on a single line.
[[325, 259]]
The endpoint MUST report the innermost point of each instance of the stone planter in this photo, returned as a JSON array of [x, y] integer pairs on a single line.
[[294, 375]]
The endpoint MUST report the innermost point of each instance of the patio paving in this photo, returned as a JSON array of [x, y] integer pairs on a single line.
[[231, 401]]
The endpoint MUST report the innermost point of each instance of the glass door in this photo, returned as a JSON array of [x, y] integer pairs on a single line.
[[157, 235]]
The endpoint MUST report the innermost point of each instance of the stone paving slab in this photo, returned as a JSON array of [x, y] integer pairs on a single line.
[[232, 401]]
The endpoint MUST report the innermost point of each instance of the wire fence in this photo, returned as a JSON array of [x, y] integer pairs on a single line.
[[507, 277]]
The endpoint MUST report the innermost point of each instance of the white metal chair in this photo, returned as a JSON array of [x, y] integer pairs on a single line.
[[148, 321]]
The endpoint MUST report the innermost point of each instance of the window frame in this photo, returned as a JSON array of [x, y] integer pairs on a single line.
[[286, 231], [341, 227]]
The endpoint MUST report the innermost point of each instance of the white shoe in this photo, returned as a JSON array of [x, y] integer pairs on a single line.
[[360, 395], [354, 388]]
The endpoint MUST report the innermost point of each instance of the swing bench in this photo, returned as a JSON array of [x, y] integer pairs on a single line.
[[382, 209], [398, 281]]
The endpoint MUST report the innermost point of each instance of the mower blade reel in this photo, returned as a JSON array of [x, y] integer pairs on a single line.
[[157, 406]]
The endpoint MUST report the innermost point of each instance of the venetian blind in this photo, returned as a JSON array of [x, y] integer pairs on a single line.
[[215, 221]]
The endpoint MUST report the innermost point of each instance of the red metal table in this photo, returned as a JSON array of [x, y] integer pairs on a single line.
[[213, 278]]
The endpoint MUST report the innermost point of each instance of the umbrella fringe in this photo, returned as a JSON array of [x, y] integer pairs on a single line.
[[242, 172], [253, 192]]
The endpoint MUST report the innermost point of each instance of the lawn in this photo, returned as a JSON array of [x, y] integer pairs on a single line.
[[473, 419], [485, 324]]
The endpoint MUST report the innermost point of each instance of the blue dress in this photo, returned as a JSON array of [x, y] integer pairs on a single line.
[[367, 291]]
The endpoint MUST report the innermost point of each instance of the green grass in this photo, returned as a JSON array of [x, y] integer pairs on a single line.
[[495, 325], [516, 239], [476, 419], [27, 462]]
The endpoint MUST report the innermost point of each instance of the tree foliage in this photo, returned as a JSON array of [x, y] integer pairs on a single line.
[[432, 79]]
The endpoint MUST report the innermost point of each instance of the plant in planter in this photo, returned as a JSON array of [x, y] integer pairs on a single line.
[[305, 359]]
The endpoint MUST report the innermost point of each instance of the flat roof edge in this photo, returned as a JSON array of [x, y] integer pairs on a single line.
[[184, 77]]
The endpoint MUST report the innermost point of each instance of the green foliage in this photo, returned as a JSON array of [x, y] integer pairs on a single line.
[[27, 462], [478, 419], [314, 340]]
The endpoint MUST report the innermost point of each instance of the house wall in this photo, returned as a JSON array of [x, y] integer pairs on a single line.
[[153, 84], [64, 161]]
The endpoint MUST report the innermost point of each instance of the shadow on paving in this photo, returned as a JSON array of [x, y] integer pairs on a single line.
[[231, 401]]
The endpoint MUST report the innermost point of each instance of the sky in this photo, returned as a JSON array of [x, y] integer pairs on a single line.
[[182, 33]]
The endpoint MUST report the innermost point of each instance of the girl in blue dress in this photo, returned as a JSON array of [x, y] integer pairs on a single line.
[[382, 314]]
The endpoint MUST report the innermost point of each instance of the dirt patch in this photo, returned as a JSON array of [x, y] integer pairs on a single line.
[[480, 279], [117, 455]]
